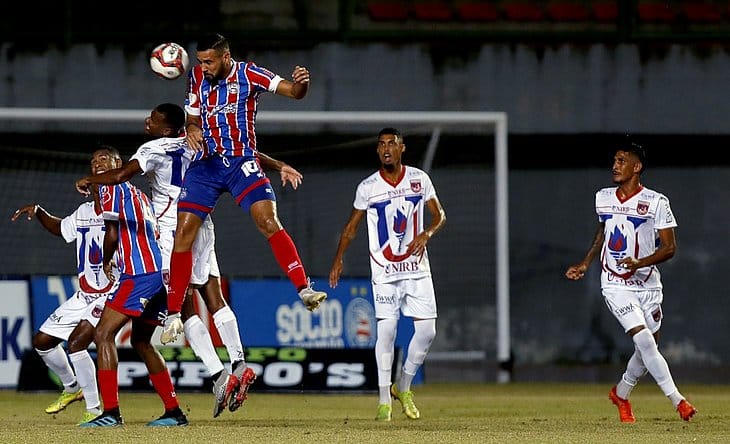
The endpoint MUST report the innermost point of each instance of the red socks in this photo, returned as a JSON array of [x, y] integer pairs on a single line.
[[286, 255], [109, 388], [163, 386], [181, 269]]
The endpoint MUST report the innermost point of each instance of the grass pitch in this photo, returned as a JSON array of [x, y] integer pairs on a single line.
[[479, 413]]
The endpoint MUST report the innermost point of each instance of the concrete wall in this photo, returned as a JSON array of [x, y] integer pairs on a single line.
[[594, 88]]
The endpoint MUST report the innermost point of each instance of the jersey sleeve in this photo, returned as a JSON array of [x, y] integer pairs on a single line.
[[664, 215], [149, 157], [262, 78], [361, 197], [68, 227], [109, 196], [192, 101], [429, 192]]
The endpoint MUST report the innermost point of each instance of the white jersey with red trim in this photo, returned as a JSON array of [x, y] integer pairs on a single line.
[[395, 213], [630, 230], [87, 228], [164, 162]]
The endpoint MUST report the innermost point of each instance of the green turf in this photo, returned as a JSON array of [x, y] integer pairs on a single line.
[[483, 413]]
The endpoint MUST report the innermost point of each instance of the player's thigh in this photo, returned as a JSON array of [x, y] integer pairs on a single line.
[[651, 305], [65, 318], [204, 255], [386, 300], [420, 299], [625, 307], [248, 184]]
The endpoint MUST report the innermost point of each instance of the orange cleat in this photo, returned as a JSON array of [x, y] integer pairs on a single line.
[[624, 407], [686, 410]]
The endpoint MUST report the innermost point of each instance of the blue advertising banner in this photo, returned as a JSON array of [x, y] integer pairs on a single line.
[[270, 314], [47, 293]]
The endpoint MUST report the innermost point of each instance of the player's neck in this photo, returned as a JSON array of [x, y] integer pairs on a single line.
[[628, 188], [391, 172]]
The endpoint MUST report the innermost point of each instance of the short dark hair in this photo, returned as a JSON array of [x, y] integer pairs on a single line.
[[174, 115], [110, 149], [630, 146], [391, 130], [213, 41]]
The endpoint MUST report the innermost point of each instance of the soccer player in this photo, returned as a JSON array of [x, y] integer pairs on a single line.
[[74, 320], [164, 161], [394, 200], [131, 231], [221, 108], [635, 233]]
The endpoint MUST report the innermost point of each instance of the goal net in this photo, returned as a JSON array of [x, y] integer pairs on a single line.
[[464, 152]]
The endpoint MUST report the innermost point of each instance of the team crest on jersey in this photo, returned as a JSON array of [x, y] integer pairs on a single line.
[[416, 185], [642, 207], [232, 87], [106, 195]]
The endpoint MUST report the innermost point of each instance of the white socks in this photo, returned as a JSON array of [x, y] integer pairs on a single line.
[[384, 347], [86, 375], [423, 335], [656, 364], [57, 361], [225, 322], [201, 343]]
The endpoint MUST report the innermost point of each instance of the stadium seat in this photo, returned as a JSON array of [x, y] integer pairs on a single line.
[[523, 12], [701, 12], [387, 11], [656, 12], [477, 12], [567, 12], [432, 11], [605, 11]]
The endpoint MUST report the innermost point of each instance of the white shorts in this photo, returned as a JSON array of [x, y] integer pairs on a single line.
[[77, 308], [205, 263], [634, 308], [414, 297]]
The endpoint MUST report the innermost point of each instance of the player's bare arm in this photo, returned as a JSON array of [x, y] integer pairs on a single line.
[[111, 177], [50, 222], [438, 217], [288, 173], [296, 88], [194, 133], [666, 250], [577, 271], [348, 234]]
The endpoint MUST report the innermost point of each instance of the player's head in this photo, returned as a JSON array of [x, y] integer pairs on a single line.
[[214, 56], [166, 120], [629, 146], [629, 160], [105, 158], [390, 148]]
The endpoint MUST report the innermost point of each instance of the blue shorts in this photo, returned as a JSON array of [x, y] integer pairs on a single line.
[[206, 179], [141, 296]]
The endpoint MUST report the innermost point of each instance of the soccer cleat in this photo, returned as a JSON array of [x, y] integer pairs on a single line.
[[311, 298], [171, 418], [106, 419], [385, 412], [624, 407], [686, 410], [88, 416], [172, 328], [64, 400], [245, 377], [223, 387], [406, 400]]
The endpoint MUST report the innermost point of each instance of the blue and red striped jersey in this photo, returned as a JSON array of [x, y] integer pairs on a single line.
[[227, 108], [137, 249]]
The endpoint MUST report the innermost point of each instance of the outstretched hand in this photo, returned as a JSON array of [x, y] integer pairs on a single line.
[[82, 186], [300, 74], [28, 210], [576, 272], [290, 175]]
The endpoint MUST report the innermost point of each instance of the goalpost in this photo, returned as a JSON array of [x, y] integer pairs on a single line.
[[494, 122]]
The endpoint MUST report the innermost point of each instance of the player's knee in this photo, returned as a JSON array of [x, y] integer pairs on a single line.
[[644, 340]]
